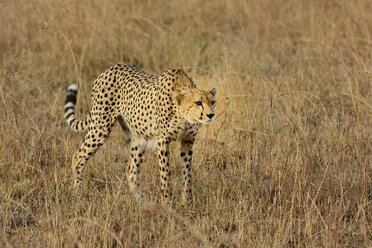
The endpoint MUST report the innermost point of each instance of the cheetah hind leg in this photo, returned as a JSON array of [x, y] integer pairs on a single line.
[[92, 141], [127, 138]]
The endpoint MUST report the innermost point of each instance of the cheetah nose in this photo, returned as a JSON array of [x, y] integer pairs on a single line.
[[210, 116]]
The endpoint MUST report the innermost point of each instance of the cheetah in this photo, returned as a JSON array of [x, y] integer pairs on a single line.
[[151, 110]]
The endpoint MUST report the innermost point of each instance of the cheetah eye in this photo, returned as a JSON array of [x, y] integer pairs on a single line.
[[213, 103], [199, 103]]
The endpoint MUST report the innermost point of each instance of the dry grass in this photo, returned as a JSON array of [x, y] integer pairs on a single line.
[[286, 164]]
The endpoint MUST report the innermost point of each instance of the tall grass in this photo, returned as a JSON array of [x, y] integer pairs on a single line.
[[286, 164]]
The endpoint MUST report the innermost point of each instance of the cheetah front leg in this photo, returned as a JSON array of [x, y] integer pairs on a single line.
[[163, 153], [186, 157], [137, 152]]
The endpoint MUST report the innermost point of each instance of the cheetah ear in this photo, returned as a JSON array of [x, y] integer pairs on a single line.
[[181, 77], [183, 81], [177, 97], [213, 91], [180, 73]]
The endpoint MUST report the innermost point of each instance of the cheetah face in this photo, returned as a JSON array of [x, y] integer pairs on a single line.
[[197, 106]]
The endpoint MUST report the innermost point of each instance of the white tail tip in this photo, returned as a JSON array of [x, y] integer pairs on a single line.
[[73, 87]]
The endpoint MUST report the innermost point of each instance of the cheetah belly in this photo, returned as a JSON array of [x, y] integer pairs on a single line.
[[148, 145]]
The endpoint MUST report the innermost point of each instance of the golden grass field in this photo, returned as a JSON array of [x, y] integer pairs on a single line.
[[287, 163]]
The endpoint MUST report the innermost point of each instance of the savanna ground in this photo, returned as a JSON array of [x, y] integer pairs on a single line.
[[287, 163]]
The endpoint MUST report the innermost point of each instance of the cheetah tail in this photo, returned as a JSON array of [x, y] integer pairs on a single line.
[[76, 125]]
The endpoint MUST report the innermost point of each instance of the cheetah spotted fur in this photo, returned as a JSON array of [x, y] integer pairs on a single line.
[[150, 109]]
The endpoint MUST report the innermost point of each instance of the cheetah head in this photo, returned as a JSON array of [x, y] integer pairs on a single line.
[[197, 106]]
